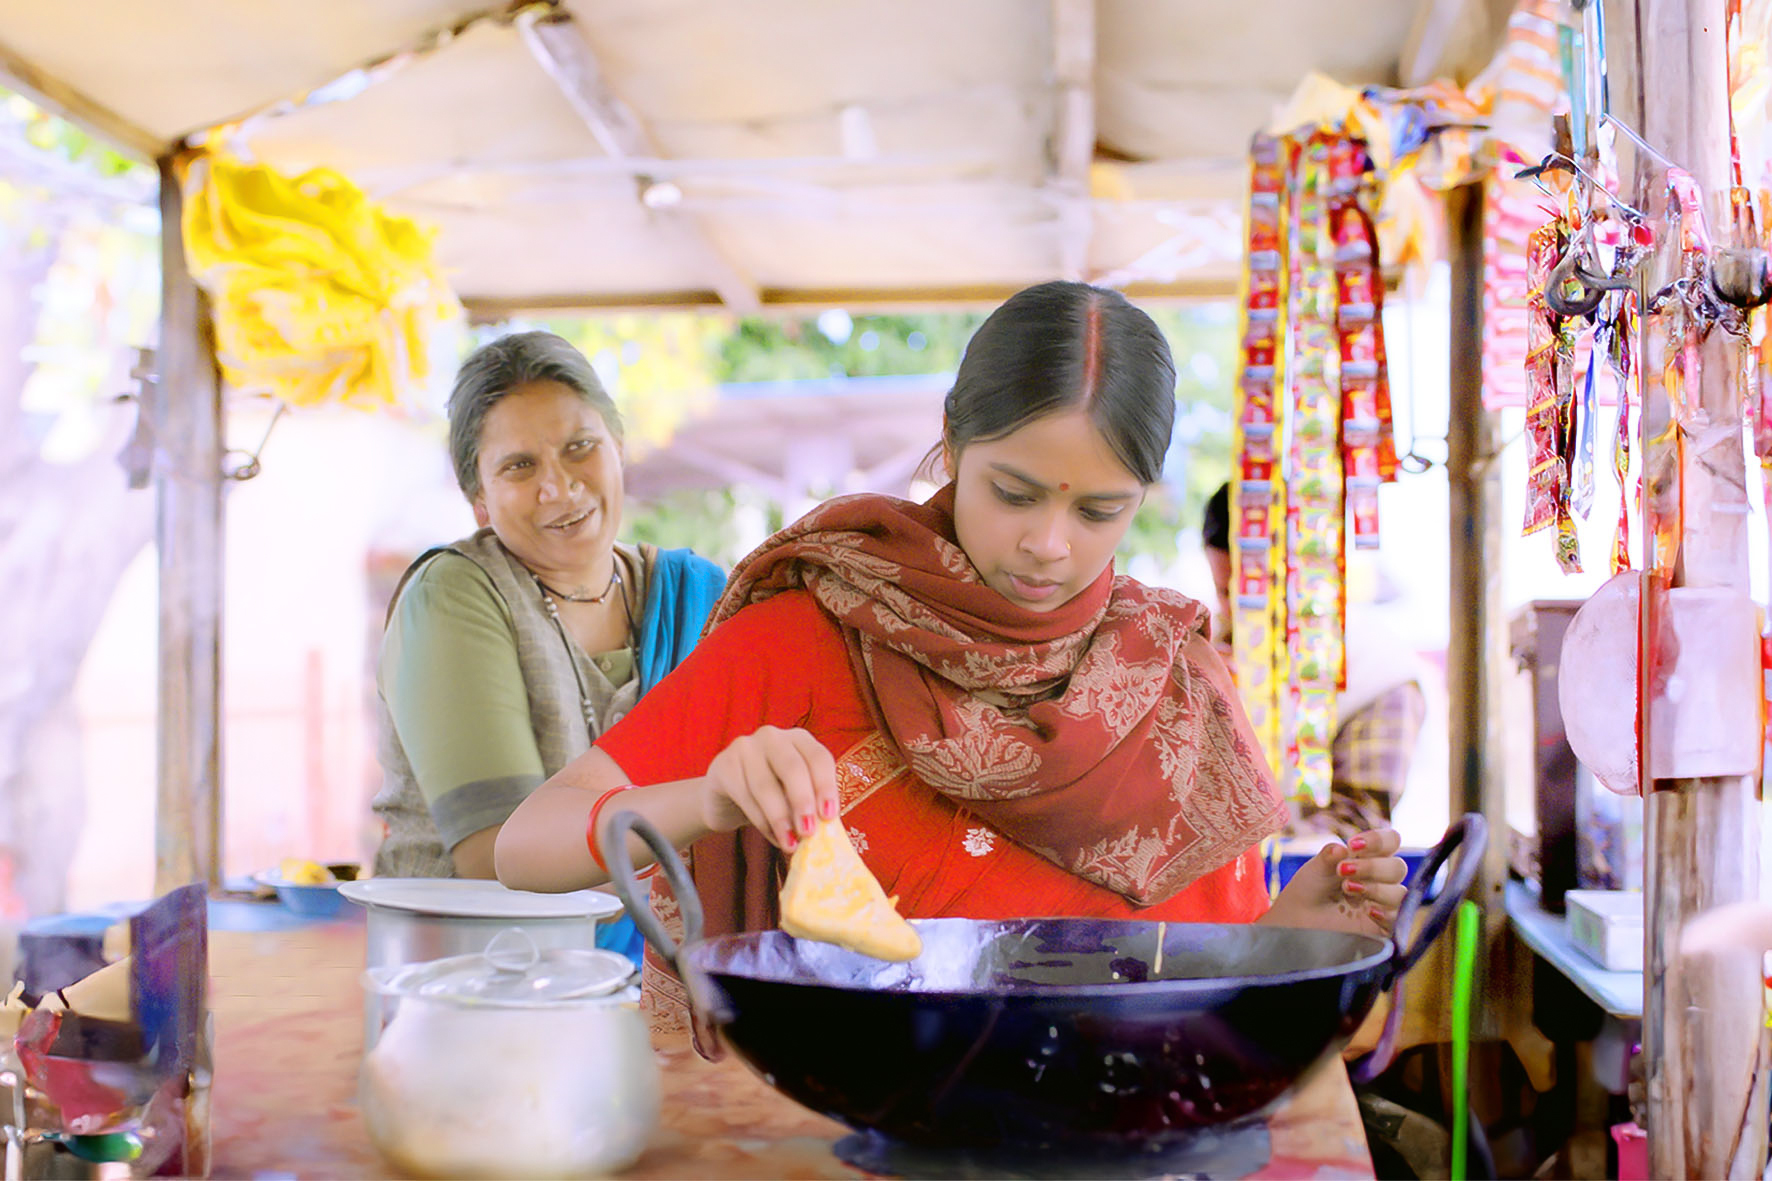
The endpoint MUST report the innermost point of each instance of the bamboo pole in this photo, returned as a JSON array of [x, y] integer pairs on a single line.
[[1476, 653], [1704, 1045], [187, 423]]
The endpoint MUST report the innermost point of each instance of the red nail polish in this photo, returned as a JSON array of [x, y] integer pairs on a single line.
[[829, 809], [1379, 914], [1353, 887], [1357, 843], [806, 824], [790, 842], [1348, 868]]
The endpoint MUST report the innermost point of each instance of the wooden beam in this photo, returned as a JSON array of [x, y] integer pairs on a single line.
[[58, 97], [1072, 148], [1477, 661], [1704, 1043], [557, 44], [800, 300], [187, 430], [362, 76], [1452, 39]]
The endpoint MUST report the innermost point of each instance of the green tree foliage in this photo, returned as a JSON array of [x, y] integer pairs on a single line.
[[839, 345], [658, 369]]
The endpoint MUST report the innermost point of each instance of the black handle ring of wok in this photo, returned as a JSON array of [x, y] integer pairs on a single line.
[[613, 843], [1469, 835]]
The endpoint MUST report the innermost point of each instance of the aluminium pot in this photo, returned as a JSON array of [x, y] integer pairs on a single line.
[[517, 1062], [1047, 1034], [416, 920]]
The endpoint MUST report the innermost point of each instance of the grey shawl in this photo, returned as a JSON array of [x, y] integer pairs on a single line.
[[554, 667]]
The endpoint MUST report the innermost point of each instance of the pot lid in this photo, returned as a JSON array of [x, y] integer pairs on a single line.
[[477, 898], [511, 973]]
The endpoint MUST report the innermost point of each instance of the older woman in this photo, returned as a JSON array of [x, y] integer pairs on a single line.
[[506, 654]]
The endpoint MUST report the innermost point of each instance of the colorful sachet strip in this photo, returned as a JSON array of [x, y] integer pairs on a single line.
[[1313, 440]]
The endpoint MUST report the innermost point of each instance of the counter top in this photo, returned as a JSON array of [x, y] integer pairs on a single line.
[[289, 1030], [1619, 993]]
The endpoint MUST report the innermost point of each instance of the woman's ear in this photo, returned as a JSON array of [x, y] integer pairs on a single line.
[[482, 518]]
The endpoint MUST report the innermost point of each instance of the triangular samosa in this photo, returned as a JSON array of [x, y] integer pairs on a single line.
[[830, 896]]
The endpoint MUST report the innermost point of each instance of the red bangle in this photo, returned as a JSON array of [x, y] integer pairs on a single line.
[[591, 832]]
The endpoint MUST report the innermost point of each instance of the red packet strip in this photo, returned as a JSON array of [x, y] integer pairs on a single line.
[[1544, 474], [1365, 399], [1257, 489]]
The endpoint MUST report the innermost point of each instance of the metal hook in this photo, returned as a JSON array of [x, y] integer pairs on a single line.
[[1569, 271], [1558, 161], [249, 467]]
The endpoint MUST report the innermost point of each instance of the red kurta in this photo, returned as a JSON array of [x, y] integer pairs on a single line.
[[782, 662]]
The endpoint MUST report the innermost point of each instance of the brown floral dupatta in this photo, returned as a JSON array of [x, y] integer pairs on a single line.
[[1104, 735]]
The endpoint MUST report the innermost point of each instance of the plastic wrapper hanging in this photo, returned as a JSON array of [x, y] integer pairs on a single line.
[[1257, 493], [1322, 351], [1567, 410], [1616, 338], [1367, 435], [1586, 429], [1544, 471]]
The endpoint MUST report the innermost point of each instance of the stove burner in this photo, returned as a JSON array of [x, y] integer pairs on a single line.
[[1227, 1150]]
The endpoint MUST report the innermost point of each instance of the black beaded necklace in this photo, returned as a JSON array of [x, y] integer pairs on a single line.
[[614, 581]]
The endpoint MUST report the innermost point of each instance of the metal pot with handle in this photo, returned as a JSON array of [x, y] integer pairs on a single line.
[[519, 1062], [1050, 1034]]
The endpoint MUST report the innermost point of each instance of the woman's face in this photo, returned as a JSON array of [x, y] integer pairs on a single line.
[[550, 480], [1039, 511]]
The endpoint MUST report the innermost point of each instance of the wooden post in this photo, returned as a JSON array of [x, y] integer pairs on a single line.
[[187, 422], [1704, 1045], [1476, 651]]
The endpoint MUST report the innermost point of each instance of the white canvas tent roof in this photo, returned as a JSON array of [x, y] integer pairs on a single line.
[[770, 152]]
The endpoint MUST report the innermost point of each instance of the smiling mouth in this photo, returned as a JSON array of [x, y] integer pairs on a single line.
[[571, 521]]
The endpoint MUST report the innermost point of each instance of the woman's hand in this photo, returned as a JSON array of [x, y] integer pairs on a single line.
[[1354, 887], [780, 781]]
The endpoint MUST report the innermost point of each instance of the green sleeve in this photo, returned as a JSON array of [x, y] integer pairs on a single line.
[[450, 676]]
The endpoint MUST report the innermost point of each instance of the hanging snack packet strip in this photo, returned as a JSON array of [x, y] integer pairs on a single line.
[[1314, 496], [1359, 290], [1568, 541], [1616, 337], [1544, 474], [1257, 493]]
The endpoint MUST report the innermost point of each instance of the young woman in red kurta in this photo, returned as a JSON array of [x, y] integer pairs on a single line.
[[1008, 727]]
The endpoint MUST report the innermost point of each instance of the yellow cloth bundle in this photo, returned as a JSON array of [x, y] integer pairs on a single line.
[[318, 294]]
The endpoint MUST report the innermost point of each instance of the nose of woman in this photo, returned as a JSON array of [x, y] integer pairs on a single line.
[[1045, 539], [556, 482]]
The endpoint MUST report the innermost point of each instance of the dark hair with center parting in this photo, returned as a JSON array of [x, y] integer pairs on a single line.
[[492, 371], [1060, 346]]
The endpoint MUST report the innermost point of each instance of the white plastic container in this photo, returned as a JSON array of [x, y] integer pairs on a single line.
[[1607, 926]]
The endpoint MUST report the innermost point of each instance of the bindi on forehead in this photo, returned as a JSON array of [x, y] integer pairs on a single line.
[[1064, 487]]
